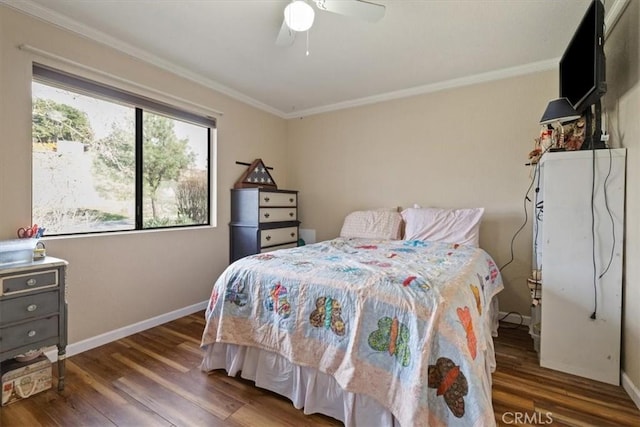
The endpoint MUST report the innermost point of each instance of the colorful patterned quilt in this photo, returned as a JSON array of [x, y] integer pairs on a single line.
[[405, 322]]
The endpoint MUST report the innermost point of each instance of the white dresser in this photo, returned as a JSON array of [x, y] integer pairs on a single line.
[[575, 234]]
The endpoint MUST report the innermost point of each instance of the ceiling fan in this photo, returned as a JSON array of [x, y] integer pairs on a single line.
[[299, 15]]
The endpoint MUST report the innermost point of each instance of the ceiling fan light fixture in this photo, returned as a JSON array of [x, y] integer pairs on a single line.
[[298, 15]]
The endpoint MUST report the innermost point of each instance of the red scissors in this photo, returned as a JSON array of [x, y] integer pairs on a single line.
[[27, 233]]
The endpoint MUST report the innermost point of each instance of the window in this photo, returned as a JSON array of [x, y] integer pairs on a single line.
[[108, 160]]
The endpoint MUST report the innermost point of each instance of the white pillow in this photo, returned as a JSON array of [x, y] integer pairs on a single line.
[[374, 224], [460, 226]]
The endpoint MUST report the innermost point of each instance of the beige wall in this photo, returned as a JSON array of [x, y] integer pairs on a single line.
[[622, 105], [465, 147], [117, 280]]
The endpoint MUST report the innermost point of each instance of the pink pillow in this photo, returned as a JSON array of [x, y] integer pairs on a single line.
[[460, 226]]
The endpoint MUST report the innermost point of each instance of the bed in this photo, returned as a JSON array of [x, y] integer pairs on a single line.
[[370, 331]]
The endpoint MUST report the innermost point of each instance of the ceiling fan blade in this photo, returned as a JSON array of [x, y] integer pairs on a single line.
[[357, 8], [286, 36]]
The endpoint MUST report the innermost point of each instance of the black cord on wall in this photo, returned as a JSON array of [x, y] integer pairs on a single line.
[[593, 231], [596, 277], [613, 224], [517, 325], [526, 217], [538, 208]]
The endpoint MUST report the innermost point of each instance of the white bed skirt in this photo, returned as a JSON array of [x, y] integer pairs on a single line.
[[308, 388]]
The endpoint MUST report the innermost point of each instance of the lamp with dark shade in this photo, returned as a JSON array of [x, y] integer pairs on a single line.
[[559, 110]]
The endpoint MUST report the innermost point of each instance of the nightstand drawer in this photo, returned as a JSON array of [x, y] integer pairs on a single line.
[[29, 306], [278, 236], [27, 282], [278, 199], [29, 333], [278, 214]]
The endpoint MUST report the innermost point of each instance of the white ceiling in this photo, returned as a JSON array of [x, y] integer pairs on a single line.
[[419, 45]]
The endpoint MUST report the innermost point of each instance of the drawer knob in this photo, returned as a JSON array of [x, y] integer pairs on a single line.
[[266, 199], [31, 333], [293, 234], [267, 238], [291, 214], [32, 307], [266, 215], [291, 200], [31, 282]]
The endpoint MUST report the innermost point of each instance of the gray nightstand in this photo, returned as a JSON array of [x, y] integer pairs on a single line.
[[33, 309]]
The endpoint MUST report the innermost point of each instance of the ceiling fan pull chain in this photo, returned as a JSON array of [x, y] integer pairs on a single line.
[[307, 42]]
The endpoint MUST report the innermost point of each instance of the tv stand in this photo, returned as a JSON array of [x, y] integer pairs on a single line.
[[593, 145]]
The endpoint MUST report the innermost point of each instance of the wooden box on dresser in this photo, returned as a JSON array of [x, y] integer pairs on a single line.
[[33, 309], [262, 220]]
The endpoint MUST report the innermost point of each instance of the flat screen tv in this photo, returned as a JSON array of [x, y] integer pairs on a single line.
[[582, 66]]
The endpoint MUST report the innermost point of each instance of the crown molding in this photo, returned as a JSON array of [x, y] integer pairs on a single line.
[[611, 19], [47, 15], [61, 21], [431, 88], [613, 15]]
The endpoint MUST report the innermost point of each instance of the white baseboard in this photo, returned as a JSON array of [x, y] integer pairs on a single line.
[[107, 337], [631, 389], [513, 317]]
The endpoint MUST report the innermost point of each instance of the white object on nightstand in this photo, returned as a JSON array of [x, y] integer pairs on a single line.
[[308, 235]]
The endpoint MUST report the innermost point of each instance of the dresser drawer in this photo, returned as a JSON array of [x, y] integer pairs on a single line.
[[28, 306], [278, 236], [278, 214], [27, 282], [268, 198], [275, 248], [28, 333]]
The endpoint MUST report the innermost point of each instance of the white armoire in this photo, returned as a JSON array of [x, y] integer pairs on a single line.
[[578, 246]]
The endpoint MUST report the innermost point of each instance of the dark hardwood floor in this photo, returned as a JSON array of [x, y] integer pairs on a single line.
[[153, 379], [521, 388]]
